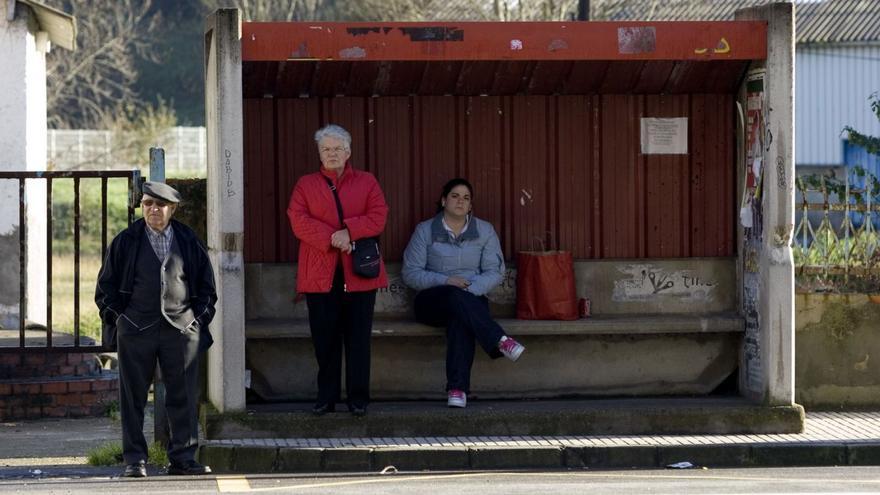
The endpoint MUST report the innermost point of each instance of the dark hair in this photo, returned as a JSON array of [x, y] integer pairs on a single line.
[[449, 186]]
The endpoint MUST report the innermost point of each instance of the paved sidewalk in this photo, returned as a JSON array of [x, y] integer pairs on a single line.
[[49, 448], [820, 428], [829, 439], [59, 442]]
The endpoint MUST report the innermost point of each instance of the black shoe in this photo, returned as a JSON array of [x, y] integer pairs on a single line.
[[188, 468], [322, 409], [135, 470], [358, 411]]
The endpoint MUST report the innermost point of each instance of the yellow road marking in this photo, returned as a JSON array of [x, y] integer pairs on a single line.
[[233, 484]]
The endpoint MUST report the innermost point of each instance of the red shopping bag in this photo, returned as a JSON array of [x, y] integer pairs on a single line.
[[545, 286]]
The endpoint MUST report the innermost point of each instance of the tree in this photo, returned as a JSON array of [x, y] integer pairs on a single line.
[[275, 10], [402, 10], [86, 87], [436, 10]]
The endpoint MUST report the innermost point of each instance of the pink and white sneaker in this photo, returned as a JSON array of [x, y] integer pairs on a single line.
[[456, 398], [510, 348]]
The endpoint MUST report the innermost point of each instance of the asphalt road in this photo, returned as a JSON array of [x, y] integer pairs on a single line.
[[679, 482]]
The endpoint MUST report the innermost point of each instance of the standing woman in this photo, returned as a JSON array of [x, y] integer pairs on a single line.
[[454, 260], [340, 302]]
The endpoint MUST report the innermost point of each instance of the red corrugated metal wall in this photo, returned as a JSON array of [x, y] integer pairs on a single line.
[[565, 169]]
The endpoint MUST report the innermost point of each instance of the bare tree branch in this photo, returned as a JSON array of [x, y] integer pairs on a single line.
[[84, 87], [278, 10]]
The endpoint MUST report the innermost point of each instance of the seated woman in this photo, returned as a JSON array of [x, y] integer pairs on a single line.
[[454, 260]]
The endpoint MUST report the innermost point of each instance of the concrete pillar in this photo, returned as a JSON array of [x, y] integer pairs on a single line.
[[766, 266], [22, 147], [224, 122]]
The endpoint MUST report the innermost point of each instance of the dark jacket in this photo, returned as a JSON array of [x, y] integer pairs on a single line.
[[116, 279]]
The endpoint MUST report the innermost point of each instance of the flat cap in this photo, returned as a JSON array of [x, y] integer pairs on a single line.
[[162, 191]]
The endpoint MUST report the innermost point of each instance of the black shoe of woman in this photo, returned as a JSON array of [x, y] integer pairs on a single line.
[[322, 409]]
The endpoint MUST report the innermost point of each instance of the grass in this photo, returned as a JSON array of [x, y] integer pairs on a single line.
[[63, 290], [110, 454]]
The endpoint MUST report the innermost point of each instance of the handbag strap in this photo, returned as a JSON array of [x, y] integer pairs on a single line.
[[336, 197]]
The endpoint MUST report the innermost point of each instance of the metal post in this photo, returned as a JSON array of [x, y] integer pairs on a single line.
[[583, 10], [157, 164], [161, 428]]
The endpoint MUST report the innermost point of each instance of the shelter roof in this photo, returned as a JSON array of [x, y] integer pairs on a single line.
[[730, 40], [304, 59]]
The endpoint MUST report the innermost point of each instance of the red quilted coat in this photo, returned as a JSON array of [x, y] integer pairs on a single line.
[[313, 219]]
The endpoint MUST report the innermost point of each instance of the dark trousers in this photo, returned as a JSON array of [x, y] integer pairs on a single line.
[[466, 318], [338, 320], [177, 354]]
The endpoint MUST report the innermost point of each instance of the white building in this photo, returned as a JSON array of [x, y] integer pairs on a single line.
[[27, 31]]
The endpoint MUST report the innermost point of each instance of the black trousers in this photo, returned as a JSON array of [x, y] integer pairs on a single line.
[[342, 320], [466, 318], [177, 354]]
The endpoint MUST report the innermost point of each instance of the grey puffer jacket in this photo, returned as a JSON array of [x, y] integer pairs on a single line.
[[431, 256]]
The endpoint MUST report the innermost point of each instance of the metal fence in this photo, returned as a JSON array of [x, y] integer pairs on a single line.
[[86, 149], [836, 239], [46, 344]]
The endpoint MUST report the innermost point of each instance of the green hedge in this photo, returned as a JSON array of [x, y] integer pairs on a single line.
[[192, 211], [90, 213]]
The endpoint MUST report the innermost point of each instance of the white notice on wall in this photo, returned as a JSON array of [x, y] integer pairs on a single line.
[[664, 136]]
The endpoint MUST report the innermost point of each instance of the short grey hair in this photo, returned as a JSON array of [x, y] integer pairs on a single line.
[[333, 130]]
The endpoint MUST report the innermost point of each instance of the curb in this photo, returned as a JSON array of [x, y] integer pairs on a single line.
[[256, 459]]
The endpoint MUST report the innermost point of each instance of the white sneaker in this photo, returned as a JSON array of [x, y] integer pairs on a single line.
[[456, 398], [510, 348]]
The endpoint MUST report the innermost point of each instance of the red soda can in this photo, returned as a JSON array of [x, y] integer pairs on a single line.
[[584, 307]]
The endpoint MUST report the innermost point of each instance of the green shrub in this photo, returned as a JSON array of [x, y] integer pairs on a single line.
[[63, 220]]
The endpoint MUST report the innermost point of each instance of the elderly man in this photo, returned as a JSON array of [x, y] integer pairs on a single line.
[[156, 296]]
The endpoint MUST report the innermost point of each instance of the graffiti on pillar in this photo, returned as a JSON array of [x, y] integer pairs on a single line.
[[781, 181], [645, 281], [753, 376], [227, 170]]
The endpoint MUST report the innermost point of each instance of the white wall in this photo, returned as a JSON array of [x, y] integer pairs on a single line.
[[23, 146], [833, 85]]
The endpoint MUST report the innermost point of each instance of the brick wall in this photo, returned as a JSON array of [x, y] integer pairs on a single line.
[[55, 385]]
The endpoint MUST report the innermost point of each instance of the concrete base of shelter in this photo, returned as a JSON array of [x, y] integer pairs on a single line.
[[526, 417], [287, 438], [237, 458]]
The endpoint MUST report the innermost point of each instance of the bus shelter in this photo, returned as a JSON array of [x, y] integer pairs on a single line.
[[659, 153]]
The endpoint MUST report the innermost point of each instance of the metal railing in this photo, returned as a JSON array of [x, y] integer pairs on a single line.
[[845, 242], [133, 177]]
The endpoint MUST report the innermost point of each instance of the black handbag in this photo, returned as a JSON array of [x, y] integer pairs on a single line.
[[365, 256]]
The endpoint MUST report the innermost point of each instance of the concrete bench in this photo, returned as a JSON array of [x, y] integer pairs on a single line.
[[280, 328], [640, 340]]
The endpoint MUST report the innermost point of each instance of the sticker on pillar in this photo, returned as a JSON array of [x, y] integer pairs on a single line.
[[757, 138], [753, 369], [516, 44], [635, 40], [664, 136]]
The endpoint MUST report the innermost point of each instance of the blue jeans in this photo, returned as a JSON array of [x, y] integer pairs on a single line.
[[466, 318]]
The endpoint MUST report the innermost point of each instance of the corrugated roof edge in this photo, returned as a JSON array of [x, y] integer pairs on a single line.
[[823, 21]]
